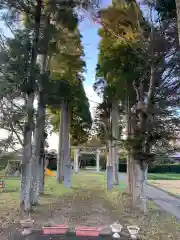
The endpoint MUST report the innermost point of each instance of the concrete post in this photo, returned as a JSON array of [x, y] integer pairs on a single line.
[[97, 160], [76, 160]]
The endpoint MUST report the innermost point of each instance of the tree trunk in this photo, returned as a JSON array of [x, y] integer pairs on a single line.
[[129, 157], [25, 166], [139, 185], [59, 174], [113, 162], [35, 161], [41, 175], [41, 115], [67, 161], [109, 168], [38, 165], [42, 166], [144, 173], [130, 173], [178, 17], [35, 177], [115, 134], [26, 172], [76, 160], [116, 159]]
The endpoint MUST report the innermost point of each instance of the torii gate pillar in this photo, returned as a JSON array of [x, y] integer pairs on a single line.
[[97, 160], [76, 160]]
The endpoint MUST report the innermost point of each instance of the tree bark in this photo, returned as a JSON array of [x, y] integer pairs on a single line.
[[27, 159], [38, 165], [140, 183], [26, 171], [36, 152], [129, 157], [41, 115], [67, 161], [178, 17], [35, 173], [59, 174], [115, 134], [116, 159], [41, 172], [109, 167]]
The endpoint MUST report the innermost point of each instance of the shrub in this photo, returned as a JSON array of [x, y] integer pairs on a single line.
[[165, 168]]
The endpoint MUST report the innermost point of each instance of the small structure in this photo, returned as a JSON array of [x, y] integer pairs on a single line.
[[78, 150], [175, 158]]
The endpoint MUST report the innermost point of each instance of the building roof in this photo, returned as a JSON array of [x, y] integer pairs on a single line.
[[175, 155]]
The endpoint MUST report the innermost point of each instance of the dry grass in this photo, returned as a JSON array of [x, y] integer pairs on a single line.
[[88, 203]]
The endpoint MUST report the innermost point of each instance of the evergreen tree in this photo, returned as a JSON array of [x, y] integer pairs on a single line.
[[140, 71]]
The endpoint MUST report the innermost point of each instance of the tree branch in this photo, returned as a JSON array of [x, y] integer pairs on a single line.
[[10, 123]]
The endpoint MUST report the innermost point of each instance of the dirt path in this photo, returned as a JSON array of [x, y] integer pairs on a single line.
[[85, 207]]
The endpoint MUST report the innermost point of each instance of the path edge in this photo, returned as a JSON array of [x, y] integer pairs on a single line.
[[158, 188]]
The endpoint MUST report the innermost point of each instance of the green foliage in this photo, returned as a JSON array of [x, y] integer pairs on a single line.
[[121, 62], [66, 82], [123, 19], [166, 9], [165, 168], [124, 71], [60, 40]]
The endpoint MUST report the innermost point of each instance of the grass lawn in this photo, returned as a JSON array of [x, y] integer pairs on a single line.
[[87, 203], [170, 186], [169, 182]]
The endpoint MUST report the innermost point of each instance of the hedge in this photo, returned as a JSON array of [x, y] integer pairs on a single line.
[[165, 168], [161, 168]]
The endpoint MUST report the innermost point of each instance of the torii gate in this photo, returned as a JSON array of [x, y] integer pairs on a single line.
[[78, 151]]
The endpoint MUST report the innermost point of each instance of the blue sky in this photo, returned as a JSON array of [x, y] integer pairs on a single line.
[[90, 41]]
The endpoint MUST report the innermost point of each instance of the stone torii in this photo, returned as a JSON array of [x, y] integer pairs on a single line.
[[78, 152]]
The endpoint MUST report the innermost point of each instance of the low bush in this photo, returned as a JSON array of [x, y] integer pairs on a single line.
[[165, 168]]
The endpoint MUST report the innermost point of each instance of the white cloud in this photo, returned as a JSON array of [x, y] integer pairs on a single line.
[[94, 99]]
